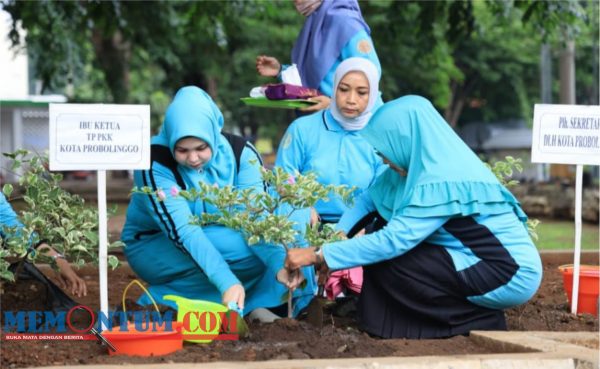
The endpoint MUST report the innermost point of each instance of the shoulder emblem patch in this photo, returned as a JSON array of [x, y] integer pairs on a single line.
[[364, 46], [287, 140]]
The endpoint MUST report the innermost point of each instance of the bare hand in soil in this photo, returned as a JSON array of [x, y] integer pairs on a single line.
[[297, 258], [291, 279], [236, 294], [322, 103], [69, 280], [267, 66]]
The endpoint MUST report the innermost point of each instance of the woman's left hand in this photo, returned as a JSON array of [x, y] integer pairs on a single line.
[[322, 103], [297, 258], [290, 279]]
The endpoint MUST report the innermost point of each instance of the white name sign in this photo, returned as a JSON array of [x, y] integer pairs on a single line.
[[566, 134], [99, 136]]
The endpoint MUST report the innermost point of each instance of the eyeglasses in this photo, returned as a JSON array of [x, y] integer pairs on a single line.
[[378, 153]]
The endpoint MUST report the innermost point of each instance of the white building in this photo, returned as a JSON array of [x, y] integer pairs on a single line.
[[23, 117]]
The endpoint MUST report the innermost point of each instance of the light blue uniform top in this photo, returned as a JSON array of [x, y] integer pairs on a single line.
[[447, 198], [317, 143], [9, 219], [403, 233], [360, 45]]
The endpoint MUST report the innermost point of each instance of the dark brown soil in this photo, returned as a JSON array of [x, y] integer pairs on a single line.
[[548, 310]]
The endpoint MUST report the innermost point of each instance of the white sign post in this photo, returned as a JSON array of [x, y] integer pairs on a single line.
[[100, 137], [568, 134]]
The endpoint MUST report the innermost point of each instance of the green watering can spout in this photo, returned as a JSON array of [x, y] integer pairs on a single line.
[[177, 299], [185, 306]]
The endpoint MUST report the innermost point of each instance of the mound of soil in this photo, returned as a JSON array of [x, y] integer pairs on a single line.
[[284, 339]]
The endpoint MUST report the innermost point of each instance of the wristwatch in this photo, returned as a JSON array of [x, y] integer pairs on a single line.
[[58, 256], [319, 257]]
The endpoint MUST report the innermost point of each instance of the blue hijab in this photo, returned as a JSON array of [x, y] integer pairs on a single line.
[[444, 177], [193, 113], [324, 34]]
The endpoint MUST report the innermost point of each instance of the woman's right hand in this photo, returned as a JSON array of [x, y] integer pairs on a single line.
[[70, 280], [236, 294], [299, 257], [267, 66]]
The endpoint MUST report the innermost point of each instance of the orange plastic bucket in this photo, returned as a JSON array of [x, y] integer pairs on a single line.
[[145, 343], [589, 279], [154, 340]]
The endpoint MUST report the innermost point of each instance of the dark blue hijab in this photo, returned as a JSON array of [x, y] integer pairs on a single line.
[[324, 34]]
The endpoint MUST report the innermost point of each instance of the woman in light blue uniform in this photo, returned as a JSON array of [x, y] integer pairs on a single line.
[[328, 143], [334, 31], [453, 249], [211, 262]]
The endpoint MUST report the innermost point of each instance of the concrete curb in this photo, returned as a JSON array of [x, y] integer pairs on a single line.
[[428, 362], [582, 347]]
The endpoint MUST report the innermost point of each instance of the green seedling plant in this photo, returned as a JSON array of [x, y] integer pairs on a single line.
[[53, 215], [504, 170], [264, 216]]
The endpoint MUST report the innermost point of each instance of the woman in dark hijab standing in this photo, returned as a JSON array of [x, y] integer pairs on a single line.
[[334, 31]]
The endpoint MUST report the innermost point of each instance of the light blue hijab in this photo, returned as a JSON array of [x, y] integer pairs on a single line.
[[193, 113], [444, 177]]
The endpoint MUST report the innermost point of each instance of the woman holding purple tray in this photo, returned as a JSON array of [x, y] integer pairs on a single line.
[[334, 31]]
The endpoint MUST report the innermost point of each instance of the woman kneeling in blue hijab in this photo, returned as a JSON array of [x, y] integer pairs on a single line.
[[211, 262], [452, 250]]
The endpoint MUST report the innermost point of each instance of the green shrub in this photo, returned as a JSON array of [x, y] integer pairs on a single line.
[[504, 170], [53, 215]]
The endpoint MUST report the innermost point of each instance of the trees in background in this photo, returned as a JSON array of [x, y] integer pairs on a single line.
[[480, 60], [475, 60]]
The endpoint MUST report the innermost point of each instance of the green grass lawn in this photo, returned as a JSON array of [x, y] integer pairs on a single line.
[[560, 235]]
